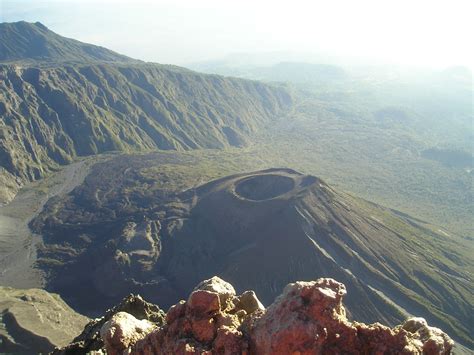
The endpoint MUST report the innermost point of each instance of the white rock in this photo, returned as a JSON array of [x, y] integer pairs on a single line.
[[219, 286], [122, 331]]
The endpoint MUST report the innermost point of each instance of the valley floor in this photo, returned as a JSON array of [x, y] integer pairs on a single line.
[[17, 242]]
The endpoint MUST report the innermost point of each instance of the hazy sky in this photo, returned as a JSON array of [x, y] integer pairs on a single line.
[[431, 33]]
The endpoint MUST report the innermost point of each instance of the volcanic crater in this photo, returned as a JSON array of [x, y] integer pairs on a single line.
[[264, 187], [259, 230]]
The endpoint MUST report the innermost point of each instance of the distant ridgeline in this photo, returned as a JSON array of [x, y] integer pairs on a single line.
[[61, 99]]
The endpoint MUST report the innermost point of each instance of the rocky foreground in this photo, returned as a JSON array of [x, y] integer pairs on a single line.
[[307, 318]]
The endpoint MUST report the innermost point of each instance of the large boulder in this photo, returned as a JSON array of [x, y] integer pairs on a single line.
[[309, 318], [223, 289], [122, 331], [433, 340], [91, 339]]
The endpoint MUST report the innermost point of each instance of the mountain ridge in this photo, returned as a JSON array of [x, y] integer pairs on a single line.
[[52, 114], [27, 42]]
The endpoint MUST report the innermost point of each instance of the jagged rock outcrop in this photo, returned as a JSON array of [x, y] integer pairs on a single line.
[[139, 245], [125, 315], [307, 318], [123, 330]]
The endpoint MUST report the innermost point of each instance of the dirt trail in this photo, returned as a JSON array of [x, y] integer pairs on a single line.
[[17, 242]]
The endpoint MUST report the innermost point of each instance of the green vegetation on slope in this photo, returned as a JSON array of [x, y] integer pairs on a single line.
[[376, 164], [52, 115], [61, 99], [401, 137]]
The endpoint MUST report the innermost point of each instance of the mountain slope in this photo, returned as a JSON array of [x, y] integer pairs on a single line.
[[53, 114], [34, 321], [259, 230], [24, 41]]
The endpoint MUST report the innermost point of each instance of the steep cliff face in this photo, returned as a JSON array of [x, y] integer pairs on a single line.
[[53, 115], [67, 99], [307, 318]]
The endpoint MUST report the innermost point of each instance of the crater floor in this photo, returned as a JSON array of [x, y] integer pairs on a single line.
[[264, 187]]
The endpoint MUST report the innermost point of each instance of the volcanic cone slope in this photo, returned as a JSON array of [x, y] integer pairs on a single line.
[[260, 231], [264, 229]]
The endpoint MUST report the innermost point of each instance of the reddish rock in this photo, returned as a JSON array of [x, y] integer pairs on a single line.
[[176, 312], [215, 284], [230, 341], [203, 303], [204, 330], [308, 318]]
